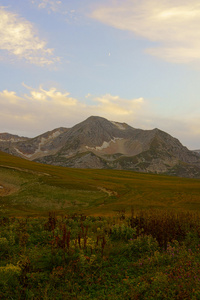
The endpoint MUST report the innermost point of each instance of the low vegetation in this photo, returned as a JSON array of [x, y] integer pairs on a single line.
[[150, 255], [93, 245]]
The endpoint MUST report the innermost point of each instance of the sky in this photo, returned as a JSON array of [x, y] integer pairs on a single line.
[[132, 61]]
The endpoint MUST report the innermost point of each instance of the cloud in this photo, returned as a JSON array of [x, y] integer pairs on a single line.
[[18, 38], [64, 8], [114, 105], [50, 5], [51, 96], [71, 16], [174, 26], [42, 109]]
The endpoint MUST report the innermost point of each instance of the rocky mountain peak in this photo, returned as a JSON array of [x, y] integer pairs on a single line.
[[99, 143]]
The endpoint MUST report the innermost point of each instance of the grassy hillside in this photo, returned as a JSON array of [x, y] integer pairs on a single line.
[[29, 188]]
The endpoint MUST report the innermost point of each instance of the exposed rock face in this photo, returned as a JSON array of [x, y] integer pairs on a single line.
[[197, 151], [42, 145], [7, 140], [99, 143], [7, 137]]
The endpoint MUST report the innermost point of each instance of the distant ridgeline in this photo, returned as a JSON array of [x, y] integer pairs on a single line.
[[101, 144]]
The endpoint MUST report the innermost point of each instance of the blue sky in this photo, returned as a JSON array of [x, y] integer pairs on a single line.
[[133, 61]]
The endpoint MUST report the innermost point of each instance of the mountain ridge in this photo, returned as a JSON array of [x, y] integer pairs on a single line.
[[99, 143]]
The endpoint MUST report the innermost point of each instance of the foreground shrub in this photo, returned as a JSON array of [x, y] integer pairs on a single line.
[[142, 245], [4, 245], [9, 280], [122, 232], [79, 257]]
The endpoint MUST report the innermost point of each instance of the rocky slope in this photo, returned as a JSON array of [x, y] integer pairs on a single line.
[[99, 143], [32, 148], [7, 141]]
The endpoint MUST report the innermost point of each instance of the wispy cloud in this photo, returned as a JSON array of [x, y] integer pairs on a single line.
[[115, 105], [18, 38], [173, 25], [50, 5], [49, 97], [62, 7]]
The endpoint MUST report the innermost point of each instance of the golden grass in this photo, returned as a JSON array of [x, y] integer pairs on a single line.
[[37, 188]]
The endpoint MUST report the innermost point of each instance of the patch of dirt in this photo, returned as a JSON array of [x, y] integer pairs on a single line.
[[4, 191], [109, 192]]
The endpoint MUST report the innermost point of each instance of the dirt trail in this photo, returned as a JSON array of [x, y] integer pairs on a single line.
[[109, 192], [25, 170]]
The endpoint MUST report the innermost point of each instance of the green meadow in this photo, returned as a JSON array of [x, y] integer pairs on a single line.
[[35, 189], [97, 234]]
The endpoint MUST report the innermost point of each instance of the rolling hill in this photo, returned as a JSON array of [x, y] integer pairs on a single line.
[[30, 188]]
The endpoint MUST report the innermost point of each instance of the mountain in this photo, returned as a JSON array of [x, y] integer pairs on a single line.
[[32, 148], [7, 141], [99, 143], [197, 151], [9, 138]]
